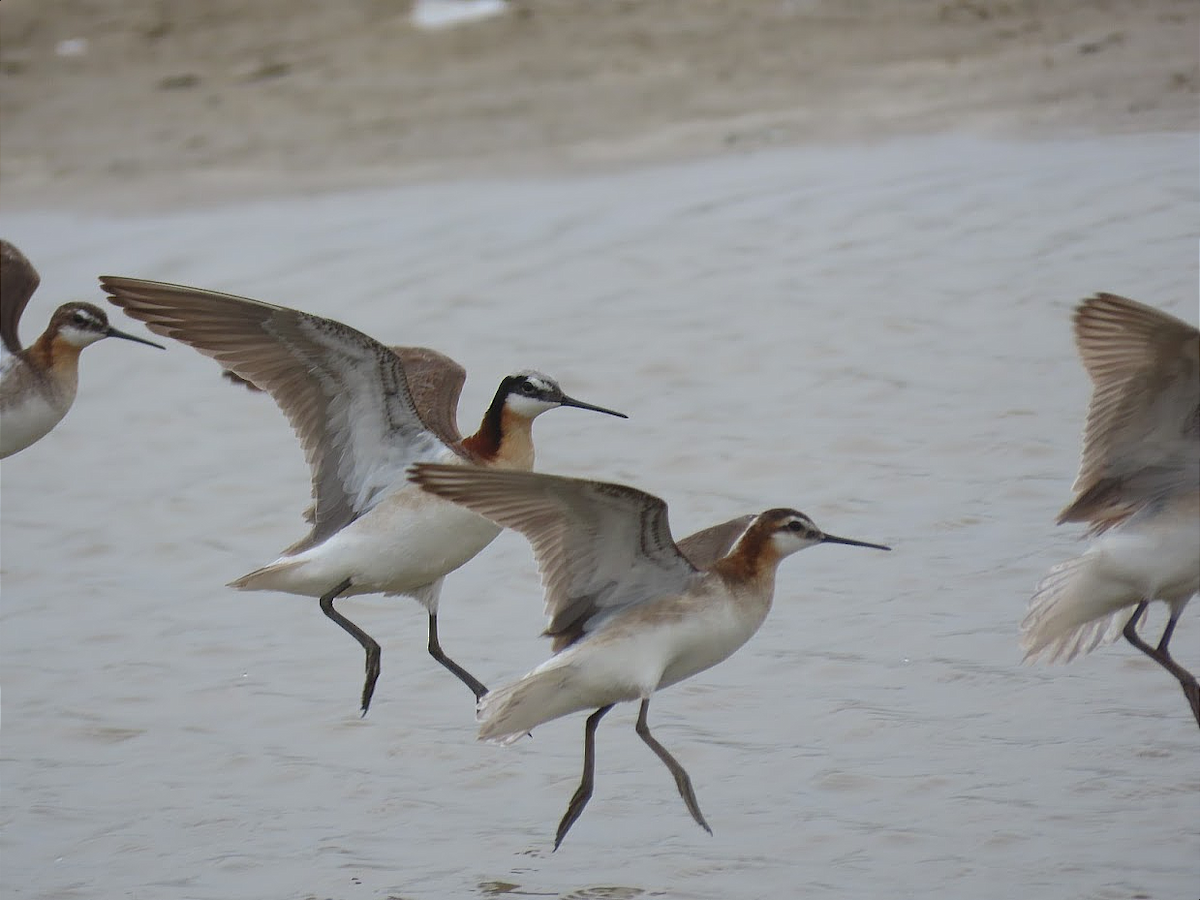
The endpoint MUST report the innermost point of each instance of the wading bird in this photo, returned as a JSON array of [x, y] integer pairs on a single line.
[[630, 611], [1138, 490], [38, 382], [363, 414]]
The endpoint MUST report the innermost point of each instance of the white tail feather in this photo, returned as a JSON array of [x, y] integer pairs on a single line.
[[1075, 609], [265, 579], [510, 712]]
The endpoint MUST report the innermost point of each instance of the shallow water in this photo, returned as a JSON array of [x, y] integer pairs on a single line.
[[876, 335]]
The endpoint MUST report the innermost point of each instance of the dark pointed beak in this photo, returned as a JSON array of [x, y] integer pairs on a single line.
[[834, 539], [113, 332], [579, 404]]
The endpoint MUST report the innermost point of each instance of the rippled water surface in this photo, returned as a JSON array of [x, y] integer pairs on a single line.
[[876, 335]]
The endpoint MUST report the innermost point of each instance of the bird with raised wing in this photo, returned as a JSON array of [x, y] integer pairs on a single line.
[[1138, 490], [630, 611], [363, 413], [38, 383]]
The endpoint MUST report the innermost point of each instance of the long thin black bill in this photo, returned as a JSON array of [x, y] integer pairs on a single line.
[[579, 404], [834, 539], [113, 332]]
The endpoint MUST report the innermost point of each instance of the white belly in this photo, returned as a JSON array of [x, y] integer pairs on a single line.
[[628, 657], [29, 416], [410, 540], [1156, 559], [710, 639], [664, 641]]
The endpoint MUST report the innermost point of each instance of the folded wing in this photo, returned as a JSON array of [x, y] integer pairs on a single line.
[[705, 547]]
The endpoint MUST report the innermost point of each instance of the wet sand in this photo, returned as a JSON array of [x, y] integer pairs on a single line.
[[160, 102]]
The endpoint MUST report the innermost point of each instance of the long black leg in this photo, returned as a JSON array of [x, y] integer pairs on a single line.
[[583, 793], [368, 642], [681, 777], [1130, 630], [1187, 681], [435, 650], [1160, 654]]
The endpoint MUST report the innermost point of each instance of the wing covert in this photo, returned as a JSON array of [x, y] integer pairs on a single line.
[[705, 547]]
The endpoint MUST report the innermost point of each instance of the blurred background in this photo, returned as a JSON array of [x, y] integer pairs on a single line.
[[180, 99], [824, 254]]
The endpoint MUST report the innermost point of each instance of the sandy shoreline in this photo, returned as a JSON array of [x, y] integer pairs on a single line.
[[186, 103]]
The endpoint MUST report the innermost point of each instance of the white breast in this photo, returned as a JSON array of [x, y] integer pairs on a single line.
[[29, 410]]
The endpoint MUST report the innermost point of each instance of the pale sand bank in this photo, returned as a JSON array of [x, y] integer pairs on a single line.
[[182, 102]]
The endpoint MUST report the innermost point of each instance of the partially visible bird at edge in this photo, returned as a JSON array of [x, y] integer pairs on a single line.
[[1138, 490], [38, 383]]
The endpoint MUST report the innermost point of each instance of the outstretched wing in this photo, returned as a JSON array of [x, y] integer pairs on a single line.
[[345, 394], [18, 280], [599, 547], [435, 382], [1142, 438]]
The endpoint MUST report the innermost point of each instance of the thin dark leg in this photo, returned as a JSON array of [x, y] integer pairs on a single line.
[[435, 650], [1187, 681], [1130, 630], [681, 777], [368, 642], [1167, 632], [1160, 654], [583, 793]]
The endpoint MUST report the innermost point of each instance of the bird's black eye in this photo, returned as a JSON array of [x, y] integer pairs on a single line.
[[79, 319], [527, 387], [795, 525]]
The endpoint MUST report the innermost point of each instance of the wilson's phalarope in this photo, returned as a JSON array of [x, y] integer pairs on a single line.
[[38, 383], [630, 611], [363, 414], [1138, 488]]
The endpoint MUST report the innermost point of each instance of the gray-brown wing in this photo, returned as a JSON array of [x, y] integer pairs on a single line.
[[1142, 438], [599, 547], [345, 394], [18, 280], [435, 382], [707, 546]]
